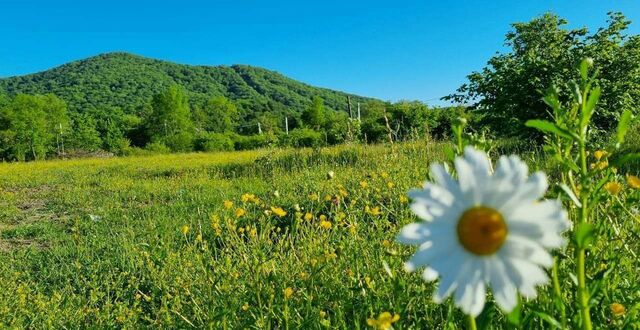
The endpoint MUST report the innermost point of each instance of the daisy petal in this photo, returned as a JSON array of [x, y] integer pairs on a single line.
[[504, 290], [414, 233]]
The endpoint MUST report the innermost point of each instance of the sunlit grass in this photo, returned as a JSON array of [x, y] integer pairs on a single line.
[[158, 241]]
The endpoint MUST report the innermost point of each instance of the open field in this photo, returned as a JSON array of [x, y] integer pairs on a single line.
[[263, 239]]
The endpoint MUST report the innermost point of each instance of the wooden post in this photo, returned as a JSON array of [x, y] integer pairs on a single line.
[[386, 121], [359, 111]]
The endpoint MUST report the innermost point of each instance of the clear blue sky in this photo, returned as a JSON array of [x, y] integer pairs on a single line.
[[386, 49]]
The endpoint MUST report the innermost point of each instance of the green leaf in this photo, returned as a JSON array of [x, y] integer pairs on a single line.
[[549, 319], [571, 195], [515, 316], [623, 126], [552, 99], [575, 90], [592, 101], [585, 64], [626, 159], [584, 235], [549, 127]]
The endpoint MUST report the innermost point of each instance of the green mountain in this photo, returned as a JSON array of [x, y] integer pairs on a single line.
[[129, 81]]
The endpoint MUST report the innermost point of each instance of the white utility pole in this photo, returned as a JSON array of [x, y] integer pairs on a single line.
[[286, 124]]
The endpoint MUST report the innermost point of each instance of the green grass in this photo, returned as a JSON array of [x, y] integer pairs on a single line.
[[99, 243]]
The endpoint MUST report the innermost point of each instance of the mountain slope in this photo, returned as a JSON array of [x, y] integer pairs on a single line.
[[129, 81]]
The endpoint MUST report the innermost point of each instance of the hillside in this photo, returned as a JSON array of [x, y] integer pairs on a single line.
[[129, 81]]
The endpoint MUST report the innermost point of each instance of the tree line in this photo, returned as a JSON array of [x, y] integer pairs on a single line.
[[35, 127]]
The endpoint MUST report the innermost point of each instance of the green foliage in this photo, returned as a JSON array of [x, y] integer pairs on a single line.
[[543, 53], [209, 141], [247, 142], [170, 120], [84, 135], [31, 127], [218, 115], [314, 116], [304, 137]]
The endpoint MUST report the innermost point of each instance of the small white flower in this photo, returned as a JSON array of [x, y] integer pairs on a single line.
[[486, 229]]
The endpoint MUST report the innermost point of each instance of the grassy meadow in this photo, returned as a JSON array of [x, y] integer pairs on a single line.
[[276, 238]]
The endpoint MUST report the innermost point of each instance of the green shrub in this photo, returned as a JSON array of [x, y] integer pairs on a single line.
[[303, 137], [158, 147], [246, 142], [209, 141]]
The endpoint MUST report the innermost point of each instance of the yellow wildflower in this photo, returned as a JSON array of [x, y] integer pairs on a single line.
[[600, 154], [199, 238], [288, 292], [601, 165], [617, 309], [364, 184], [328, 198], [390, 185], [384, 321], [403, 199], [308, 216], [314, 197], [240, 212], [323, 314], [386, 243], [613, 187], [184, 229], [245, 307], [278, 211], [384, 175], [633, 181], [227, 204], [323, 217], [370, 283], [373, 211], [325, 224]]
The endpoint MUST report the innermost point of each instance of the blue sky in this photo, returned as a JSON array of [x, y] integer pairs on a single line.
[[386, 49]]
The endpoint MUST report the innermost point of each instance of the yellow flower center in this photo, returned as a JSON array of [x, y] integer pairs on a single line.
[[482, 230]]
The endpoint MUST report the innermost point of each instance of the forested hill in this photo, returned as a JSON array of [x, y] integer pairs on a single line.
[[129, 81]]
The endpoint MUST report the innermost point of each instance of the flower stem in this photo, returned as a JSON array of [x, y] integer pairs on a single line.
[[472, 323], [558, 292], [583, 292]]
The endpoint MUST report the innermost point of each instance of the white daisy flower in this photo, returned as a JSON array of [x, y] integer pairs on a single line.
[[486, 229]]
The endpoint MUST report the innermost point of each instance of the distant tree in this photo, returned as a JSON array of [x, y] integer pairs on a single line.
[[29, 124], [170, 120], [543, 53], [220, 115], [408, 119], [84, 134], [313, 116]]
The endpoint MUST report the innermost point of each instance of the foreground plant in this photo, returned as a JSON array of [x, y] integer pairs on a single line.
[[485, 230]]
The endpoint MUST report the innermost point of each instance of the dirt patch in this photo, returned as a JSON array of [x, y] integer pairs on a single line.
[[29, 207], [7, 245]]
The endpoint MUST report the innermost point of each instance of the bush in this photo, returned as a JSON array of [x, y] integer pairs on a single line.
[[303, 137], [181, 142], [209, 141], [158, 147], [246, 142]]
